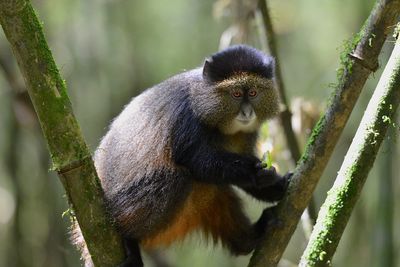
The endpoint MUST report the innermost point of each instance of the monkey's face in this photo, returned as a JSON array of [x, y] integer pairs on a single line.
[[249, 100], [241, 103]]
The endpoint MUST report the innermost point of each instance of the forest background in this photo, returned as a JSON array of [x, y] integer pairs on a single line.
[[108, 51]]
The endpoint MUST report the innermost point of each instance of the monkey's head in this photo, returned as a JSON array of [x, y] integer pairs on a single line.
[[239, 91]]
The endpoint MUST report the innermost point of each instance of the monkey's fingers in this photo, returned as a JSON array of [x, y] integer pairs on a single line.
[[267, 177], [287, 178], [261, 165]]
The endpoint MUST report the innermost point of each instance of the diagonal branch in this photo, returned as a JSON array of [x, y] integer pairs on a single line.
[[336, 211], [70, 155], [360, 59]]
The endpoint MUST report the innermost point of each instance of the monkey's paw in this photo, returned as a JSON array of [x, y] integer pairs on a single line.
[[267, 219], [281, 186], [284, 182], [266, 177]]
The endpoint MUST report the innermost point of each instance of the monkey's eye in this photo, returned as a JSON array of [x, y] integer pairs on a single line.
[[252, 93], [237, 94]]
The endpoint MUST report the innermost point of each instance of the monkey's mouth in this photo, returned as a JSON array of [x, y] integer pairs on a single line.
[[245, 121], [241, 124]]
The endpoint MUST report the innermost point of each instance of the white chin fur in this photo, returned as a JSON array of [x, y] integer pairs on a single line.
[[237, 125]]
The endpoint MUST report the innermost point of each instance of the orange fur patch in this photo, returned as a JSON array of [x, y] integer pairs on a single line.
[[206, 208]]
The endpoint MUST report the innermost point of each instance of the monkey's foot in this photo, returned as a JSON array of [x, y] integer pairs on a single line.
[[267, 219]]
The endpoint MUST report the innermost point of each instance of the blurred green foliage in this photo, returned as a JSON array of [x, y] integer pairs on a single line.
[[110, 50]]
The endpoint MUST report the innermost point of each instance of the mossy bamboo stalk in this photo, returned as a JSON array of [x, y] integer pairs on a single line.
[[69, 153], [358, 61], [337, 208]]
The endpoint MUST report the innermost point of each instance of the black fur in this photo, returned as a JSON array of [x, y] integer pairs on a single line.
[[196, 147], [133, 259], [238, 59], [148, 195], [270, 193]]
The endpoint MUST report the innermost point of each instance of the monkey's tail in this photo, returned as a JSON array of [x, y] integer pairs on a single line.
[[78, 240]]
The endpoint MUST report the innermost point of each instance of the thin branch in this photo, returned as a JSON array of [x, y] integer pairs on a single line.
[[358, 62], [308, 218], [285, 115], [336, 211], [9, 74], [70, 155]]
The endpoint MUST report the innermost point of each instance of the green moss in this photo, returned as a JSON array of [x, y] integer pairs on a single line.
[[65, 141], [335, 205], [312, 139], [346, 63]]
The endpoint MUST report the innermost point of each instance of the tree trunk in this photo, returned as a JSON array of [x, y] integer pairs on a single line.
[[69, 153]]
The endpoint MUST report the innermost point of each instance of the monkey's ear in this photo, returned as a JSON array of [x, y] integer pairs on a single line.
[[217, 69], [207, 69]]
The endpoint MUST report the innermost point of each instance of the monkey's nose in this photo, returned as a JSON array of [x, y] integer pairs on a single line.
[[247, 111]]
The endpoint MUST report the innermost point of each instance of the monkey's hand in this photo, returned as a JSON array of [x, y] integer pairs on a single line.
[[266, 177], [271, 193], [250, 172], [280, 187]]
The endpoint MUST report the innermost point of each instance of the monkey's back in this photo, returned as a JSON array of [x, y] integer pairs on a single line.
[[139, 138], [143, 186]]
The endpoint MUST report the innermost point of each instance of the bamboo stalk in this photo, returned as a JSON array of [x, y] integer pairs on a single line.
[[358, 61], [336, 211], [69, 153]]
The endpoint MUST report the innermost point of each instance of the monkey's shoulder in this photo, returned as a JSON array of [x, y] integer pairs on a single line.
[[149, 125]]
